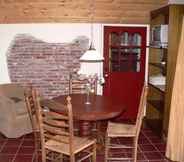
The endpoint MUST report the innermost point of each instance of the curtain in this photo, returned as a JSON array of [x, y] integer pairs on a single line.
[[175, 141]]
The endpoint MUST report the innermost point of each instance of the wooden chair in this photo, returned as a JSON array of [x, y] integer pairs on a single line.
[[78, 83], [57, 137], [118, 130], [31, 107]]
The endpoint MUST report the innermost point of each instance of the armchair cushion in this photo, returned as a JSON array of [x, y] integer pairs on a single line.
[[20, 108], [16, 99], [14, 117]]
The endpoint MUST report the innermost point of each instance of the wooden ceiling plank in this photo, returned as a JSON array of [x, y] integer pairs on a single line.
[[25, 11]]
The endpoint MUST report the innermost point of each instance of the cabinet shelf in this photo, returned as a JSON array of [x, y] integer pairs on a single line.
[[116, 60], [125, 46], [157, 104], [158, 65], [157, 47], [155, 124], [161, 88]]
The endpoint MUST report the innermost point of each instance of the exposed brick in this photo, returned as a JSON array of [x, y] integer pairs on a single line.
[[45, 65]]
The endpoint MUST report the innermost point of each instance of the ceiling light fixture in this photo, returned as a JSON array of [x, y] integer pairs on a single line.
[[91, 55]]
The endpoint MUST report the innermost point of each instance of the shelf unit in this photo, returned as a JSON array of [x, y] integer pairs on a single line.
[[158, 104], [163, 61], [157, 67], [161, 88]]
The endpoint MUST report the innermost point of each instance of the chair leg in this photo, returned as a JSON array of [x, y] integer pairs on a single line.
[[72, 158], [94, 153], [43, 155], [36, 146], [61, 158], [35, 156], [107, 142], [135, 150]]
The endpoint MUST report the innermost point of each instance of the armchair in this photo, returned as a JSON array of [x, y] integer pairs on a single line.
[[14, 117]]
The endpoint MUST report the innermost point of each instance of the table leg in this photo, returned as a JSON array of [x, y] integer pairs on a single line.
[[85, 128]]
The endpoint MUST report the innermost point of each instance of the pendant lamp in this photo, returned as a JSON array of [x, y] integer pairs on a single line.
[[91, 55]]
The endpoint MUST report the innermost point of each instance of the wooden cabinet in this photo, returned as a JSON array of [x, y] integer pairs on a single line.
[[162, 62], [157, 82]]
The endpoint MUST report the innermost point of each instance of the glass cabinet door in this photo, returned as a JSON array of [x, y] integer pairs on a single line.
[[125, 51]]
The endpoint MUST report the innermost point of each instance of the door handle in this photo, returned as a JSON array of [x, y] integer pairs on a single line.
[[106, 75]]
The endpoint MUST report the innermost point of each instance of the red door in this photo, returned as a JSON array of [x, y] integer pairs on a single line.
[[124, 65]]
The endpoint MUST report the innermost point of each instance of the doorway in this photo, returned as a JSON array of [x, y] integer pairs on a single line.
[[124, 66]]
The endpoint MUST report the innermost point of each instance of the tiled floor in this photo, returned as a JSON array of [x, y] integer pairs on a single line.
[[150, 149]]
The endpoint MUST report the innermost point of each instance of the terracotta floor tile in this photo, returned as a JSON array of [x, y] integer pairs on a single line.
[[147, 148], [151, 148], [140, 156], [144, 141], [23, 158], [6, 158], [28, 143], [13, 142], [26, 150], [9, 150], [2, 143], [28, 137], [153, 156], [155, 140], [160, 146]]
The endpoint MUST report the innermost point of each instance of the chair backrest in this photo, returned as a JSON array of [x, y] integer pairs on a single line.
[[31, 107], [77, 85], [142, 105], [33, 115], [54, 125]]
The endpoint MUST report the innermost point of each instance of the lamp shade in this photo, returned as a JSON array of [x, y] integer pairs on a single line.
[[91, 55]]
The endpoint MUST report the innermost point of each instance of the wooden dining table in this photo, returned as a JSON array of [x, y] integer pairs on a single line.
[[100, 108]]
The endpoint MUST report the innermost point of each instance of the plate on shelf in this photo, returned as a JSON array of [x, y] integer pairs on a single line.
[[157, 79]]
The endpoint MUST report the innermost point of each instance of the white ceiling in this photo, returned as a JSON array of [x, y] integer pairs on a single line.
[[176, 1]]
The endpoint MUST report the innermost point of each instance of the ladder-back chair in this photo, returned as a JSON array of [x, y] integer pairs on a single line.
[[57, 138], [118, 130], [77, 84], [31, 107]]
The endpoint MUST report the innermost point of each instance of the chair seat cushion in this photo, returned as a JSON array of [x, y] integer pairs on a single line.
[[79, 145], [20, 108], [16, 99], [120, 129]]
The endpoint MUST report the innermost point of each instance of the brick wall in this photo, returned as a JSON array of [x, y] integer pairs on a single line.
[[45, 65]]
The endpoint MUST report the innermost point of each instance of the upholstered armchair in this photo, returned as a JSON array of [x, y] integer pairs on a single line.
[[14, 117]]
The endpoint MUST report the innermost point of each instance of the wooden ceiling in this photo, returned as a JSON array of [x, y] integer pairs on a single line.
[[103, 11]]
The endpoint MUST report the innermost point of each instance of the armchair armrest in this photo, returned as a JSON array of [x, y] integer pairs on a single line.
[[6, 107]]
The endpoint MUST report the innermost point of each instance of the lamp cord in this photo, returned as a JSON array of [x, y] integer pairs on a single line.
[[92, 19]]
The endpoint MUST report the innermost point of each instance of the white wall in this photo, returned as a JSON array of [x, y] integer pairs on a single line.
[[47, 32], [176, 2], [51, 33]]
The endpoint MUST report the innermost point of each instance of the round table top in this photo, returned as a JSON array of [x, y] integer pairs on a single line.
[[100, 107]]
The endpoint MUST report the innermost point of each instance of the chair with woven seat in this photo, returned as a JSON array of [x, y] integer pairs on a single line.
[[57, 138], [31, 106], [118, 130], [77, 85]]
